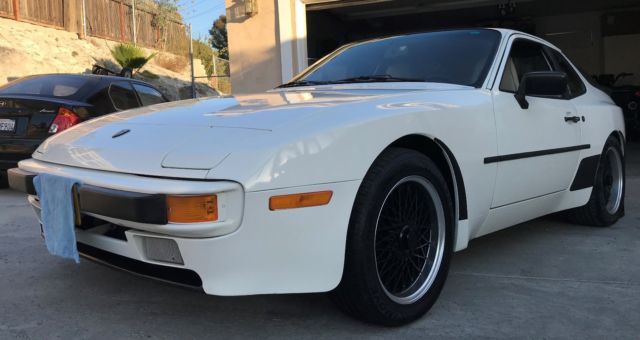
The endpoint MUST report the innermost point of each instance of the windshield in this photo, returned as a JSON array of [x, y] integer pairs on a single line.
[[62, 86], [457, 57]]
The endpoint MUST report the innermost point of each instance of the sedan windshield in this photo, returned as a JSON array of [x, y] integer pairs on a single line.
[[460, 57]]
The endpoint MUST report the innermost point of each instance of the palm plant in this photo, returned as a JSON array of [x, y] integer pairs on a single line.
[[129, 56]]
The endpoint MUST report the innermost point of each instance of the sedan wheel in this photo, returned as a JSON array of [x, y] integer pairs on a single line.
[[400, 240]]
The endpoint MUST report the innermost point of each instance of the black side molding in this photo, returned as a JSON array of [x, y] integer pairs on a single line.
[[514, 156], [586, 174], [21, 180], [462, 193]]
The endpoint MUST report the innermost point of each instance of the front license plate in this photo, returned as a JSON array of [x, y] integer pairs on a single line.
[[7, 125]]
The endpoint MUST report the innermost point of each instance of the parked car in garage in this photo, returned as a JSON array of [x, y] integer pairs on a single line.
[[361, 176], [37, 107]]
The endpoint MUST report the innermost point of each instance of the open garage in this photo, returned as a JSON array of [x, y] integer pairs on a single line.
[[600, 36], [272, 42]]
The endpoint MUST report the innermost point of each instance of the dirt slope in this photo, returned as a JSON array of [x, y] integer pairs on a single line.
[[27, 49]]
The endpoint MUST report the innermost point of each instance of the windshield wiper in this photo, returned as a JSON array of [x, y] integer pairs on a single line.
[[376, 78], [360, 79], [302, 83]]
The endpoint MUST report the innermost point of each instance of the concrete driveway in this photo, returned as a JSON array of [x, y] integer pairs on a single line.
[[541, 279]]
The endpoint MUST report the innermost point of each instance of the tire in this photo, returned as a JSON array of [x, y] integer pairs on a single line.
[[378, 248], [606, 204], [4, 179], [126, 72]]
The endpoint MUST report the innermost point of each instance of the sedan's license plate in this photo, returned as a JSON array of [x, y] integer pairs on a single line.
[[7, 125]]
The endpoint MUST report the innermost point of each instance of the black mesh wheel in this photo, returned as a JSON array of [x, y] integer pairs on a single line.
[[399, 242]]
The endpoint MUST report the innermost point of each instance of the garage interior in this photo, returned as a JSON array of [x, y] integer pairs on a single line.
[[601, 37]]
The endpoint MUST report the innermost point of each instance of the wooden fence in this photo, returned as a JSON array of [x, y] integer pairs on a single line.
[[49, 12], [108, 19]]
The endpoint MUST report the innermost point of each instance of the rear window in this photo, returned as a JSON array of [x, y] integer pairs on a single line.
[[51, 86]]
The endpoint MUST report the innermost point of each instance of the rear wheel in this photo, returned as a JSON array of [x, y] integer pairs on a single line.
[[606, 204], [400, 241], [4, 179]]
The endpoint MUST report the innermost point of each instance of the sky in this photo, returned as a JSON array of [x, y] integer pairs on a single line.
[[201, 14]]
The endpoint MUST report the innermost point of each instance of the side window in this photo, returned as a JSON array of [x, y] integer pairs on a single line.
[[575, 84], [148, 95], [101, 102], [525, 56], [122, 95]]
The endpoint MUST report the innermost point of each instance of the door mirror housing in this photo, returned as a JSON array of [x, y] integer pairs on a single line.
[[541, 84]]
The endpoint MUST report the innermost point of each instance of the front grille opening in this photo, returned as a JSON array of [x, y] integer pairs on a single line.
[[90, 222], [161, 250], [116, 231], [102, 227]]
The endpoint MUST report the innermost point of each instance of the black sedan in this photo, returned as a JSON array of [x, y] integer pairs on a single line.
[[36, 107]]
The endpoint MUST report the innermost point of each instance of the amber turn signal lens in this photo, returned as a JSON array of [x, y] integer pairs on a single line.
[[192, 209], [308, 199]]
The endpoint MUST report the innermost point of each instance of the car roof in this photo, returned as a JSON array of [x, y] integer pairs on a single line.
[[509, 32], [89, 76], [97, 82]]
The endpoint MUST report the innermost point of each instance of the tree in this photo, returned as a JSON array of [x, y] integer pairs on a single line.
[[218, 38], [203, 51], [165, 11], [129, 56]]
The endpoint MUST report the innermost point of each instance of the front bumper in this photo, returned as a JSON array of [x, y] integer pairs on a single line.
[[13, 150], [139, 201], [284, 251], [8, 164], [118, 204]]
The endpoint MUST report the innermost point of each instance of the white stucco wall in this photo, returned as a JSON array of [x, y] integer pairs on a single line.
[[268, 48]]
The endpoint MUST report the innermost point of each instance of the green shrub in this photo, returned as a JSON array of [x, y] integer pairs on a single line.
[[130, 56], [204, 52]]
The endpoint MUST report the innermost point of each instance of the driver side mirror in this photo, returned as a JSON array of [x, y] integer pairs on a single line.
[[541, 84]]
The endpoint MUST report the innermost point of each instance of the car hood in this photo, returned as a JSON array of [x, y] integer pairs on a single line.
[[199, 134]]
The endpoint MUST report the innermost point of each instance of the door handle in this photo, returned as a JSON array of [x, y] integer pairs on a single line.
[[574, 119]]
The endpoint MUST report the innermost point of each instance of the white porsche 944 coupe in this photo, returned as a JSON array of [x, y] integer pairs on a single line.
[[361, 176]]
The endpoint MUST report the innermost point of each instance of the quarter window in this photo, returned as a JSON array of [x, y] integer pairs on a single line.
[[148, 95], [575, 85], [122, 95], [525, 56]]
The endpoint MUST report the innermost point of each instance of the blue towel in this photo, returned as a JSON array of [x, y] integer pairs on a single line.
[[56, 202]]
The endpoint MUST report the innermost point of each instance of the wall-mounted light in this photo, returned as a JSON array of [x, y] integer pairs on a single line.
[[251, 7]]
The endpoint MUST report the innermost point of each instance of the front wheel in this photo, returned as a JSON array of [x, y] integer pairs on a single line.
[[606, 204], [400, 240]]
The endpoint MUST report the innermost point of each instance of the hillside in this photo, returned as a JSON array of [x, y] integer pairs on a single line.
[[27, 49]]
